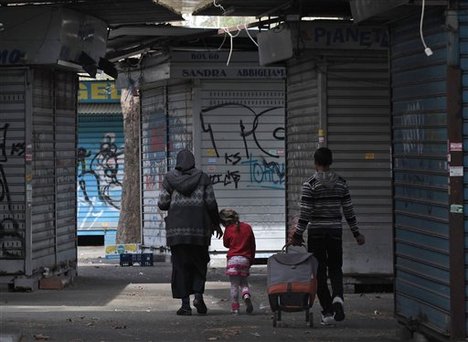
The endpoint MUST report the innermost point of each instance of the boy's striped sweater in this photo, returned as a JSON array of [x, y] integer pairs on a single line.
[[325, 198]]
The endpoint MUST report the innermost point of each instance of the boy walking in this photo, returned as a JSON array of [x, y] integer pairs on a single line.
[[325, 198]]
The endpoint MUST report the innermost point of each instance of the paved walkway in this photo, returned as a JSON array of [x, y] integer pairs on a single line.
[[112, 303]]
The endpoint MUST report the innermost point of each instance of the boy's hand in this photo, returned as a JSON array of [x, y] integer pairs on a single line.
[[294, 239], [218, 231], [360, 239]]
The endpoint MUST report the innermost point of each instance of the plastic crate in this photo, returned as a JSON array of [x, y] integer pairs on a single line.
[[126, 259], [146, 259], [142, 259]]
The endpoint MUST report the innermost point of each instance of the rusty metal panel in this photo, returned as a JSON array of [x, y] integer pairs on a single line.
[[359, 134], [422, 288]]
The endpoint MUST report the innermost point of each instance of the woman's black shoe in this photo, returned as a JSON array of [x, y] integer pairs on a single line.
[[184, 312], [200, 305]]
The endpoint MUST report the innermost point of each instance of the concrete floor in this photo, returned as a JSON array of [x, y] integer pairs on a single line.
[[107, 302]]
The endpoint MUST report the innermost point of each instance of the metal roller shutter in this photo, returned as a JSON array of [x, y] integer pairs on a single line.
[[44, 193], [166, 129], [179, 99], [359, 134], [100, 167], [302, 128], [421, 173], [153, 163], [15, 246], [65, 85], [53, 214], [242, 149]]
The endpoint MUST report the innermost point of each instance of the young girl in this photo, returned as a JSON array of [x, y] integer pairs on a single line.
[[240, 239]]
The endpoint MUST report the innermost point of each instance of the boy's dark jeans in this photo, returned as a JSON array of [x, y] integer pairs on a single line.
[[328, 249]]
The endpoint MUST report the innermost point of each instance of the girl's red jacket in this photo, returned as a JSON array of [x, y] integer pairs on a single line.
[[240, 241]]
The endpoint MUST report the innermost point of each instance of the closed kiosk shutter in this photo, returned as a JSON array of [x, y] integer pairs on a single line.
[[302, 128], [42, 216], [359, 134], [53, 214], [14, 247], [65, 89], [100, 166], [180, 118], [153, 163], [422, 274], [37, 171], [242, 149]]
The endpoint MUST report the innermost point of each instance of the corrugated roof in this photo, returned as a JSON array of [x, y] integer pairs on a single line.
[[265, 8], [113, 12], [99, 109]]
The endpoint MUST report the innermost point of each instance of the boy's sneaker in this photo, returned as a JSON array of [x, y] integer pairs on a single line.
[[327, 319], [248, 304], [338, 309]]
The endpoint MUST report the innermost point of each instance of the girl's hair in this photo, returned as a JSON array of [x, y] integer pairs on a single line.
[[228, 217]]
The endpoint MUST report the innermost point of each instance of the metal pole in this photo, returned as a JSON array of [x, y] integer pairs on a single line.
[[456, 197]]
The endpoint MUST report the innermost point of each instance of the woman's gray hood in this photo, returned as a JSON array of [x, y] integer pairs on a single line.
[[186, 177]]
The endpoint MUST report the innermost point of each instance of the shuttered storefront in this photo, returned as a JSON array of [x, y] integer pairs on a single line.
[[359, 134], [100, 167], [15, 238], [65, 104], [153, 162], [38, 170], [166, 129], [342, 101], [243, 151], [180, 116], [53, 214], [422, 257], [303, 123], [232, 118]]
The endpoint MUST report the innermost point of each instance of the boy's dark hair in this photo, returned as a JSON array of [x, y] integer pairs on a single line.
[[323, 156]]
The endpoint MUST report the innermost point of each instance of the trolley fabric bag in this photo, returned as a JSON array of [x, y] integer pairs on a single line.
[[291, 283]]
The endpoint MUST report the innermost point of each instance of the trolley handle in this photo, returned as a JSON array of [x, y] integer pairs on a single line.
[[286, 246]]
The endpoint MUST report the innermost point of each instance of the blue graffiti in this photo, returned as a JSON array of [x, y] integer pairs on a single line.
[[267, 174], [11, 56]]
